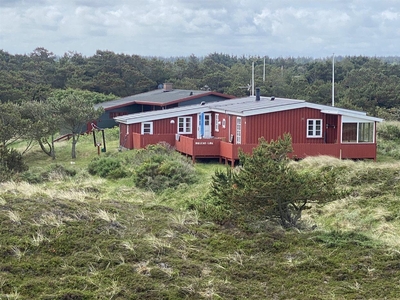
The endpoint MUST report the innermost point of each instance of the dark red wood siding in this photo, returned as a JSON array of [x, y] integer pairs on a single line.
[[331, 128], [272, 125], [165, 126], [223, 131]]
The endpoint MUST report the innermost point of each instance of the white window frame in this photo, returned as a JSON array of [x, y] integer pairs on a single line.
[[238, 130], [144, 129], [358, 123], [187, 125], [314, 131], [216, 122]]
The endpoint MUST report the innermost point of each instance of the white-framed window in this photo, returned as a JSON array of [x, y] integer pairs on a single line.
[[185, 125], [147, 128], [358, 132], [238, 130], [366, 132], [216, 122], [314, 128]]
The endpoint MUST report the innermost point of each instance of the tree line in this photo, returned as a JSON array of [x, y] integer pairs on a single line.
[[41, 92], [371, 84]]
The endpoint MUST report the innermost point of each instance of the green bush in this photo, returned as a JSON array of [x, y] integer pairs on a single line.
[[389, 131], [161, 171], [11, 162], [107, 167], [267, 187], [140, 156], [389, 147], [53, 172]]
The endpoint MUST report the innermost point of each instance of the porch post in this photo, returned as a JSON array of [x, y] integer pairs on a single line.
[[339, 130], [339, 135]]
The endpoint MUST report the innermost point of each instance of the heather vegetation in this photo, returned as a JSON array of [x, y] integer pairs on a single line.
[[148, 224], [68, 234]]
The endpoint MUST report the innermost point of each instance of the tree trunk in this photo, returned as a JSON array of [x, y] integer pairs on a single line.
[[74, 141], [43, 147], [53, 150]]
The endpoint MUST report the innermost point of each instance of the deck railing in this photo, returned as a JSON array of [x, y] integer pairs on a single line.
[[346, 150], [198, 147], [142, 140], [215, 147]]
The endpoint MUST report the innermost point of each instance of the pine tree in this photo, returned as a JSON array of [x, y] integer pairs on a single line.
[[267, 186]]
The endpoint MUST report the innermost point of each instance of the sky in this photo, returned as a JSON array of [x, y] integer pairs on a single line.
[[170, 28]]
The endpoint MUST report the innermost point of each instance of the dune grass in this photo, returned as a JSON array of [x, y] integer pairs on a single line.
[[86, 237]]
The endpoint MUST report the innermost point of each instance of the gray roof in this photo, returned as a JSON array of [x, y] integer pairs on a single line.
[[246, 106], [158, 96]]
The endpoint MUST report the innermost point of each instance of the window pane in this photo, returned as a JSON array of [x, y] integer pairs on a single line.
[[314, 128], [185, 125], [238, 131], [365, 132], [188, 125], [349, 134], [180, 125]]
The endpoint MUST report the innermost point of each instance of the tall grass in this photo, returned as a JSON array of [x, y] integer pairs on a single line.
[[373, 206], [85, 237]]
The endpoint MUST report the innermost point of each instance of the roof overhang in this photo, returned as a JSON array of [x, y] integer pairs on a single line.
[[242, 108], [160, 114], [108, 105], [352, 115]]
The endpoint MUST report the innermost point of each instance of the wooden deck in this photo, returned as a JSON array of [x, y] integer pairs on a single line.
[[229, 153]]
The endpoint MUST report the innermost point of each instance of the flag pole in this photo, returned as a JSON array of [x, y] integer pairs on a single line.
[[333, 79], [252, 79], [264, 71]]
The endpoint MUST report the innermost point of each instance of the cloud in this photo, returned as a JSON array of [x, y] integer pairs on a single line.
[[184, 27]]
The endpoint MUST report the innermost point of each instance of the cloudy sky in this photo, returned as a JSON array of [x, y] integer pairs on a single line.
[[311, 28]]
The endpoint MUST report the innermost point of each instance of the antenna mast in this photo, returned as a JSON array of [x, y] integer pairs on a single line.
[[333, 79], [264, 70], [252, 79]]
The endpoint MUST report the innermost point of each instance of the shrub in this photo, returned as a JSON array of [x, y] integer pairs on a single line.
[[389, 131], [161, 170], [11, 162], [268, 187], [107, 167], [53, 172], [138, 157]]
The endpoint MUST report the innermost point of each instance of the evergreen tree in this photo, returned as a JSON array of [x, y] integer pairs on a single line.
[[267, 186]]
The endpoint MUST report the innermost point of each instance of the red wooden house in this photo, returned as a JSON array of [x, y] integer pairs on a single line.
[[220, 129]]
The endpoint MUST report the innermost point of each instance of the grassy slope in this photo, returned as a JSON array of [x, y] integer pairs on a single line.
[[92, 238]]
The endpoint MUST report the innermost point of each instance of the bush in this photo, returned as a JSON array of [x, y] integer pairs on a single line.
[[389, 131], [161, 171], [11, 162], [107, 167], [268, 187], [138, 157], [53, 172]]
